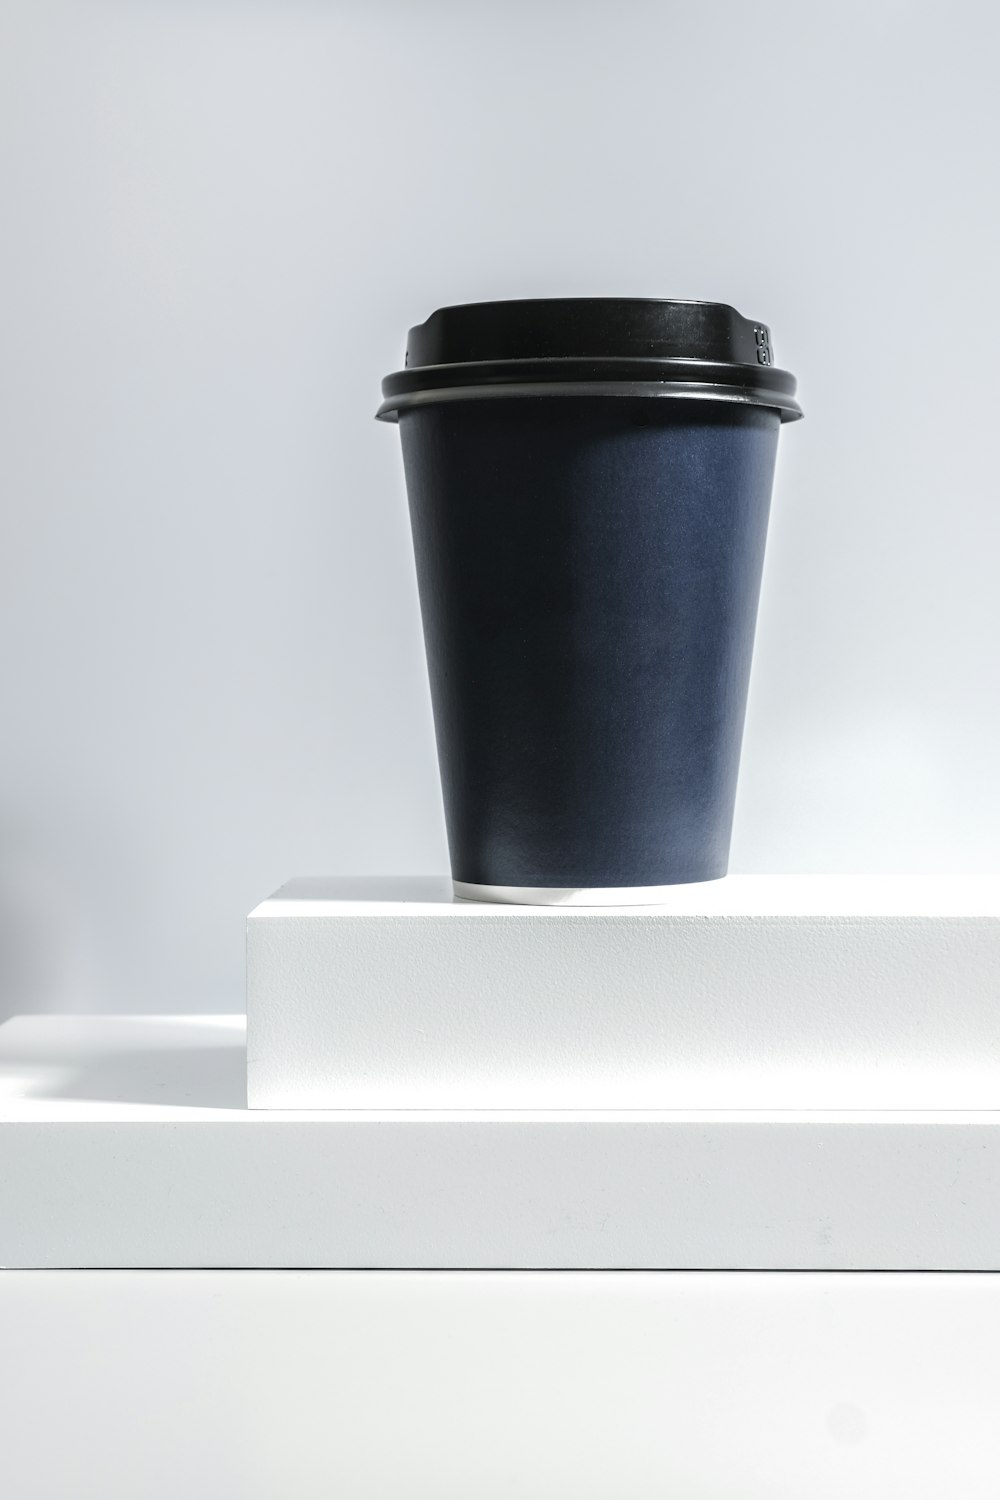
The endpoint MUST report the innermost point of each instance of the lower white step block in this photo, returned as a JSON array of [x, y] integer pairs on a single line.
[[755, 992], [125, 1141]]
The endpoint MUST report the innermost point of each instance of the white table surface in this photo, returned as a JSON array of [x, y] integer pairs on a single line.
[[442, 1386]]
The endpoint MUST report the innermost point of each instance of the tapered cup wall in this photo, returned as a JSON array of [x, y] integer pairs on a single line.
[[589, 569]]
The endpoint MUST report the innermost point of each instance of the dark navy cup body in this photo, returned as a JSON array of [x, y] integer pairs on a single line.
[[589, 569]]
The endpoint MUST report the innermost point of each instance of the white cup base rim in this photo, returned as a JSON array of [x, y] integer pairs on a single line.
[[550, 895]]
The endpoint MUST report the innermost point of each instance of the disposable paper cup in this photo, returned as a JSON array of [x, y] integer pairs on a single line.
[[589, 485]]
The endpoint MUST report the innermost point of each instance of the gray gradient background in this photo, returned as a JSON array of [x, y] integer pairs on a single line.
[[218, 220]]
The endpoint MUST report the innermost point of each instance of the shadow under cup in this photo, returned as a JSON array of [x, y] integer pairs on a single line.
[[589, 570]]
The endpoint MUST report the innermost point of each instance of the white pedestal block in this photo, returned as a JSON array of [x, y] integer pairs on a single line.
[[125, 1141], [752, 993]]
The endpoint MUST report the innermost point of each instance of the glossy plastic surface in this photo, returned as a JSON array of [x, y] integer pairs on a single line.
[[615, 346]]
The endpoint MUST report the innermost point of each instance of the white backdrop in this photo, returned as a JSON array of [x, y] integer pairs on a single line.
[[218, 220]]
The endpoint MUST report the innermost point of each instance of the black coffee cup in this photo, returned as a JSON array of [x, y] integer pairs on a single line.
[[589, 484]]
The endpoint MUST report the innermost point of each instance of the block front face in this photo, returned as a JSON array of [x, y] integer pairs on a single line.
[[446, 1385], [124, 1143], [730, 998]]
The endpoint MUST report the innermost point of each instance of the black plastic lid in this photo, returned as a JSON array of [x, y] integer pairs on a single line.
[[614, 346]]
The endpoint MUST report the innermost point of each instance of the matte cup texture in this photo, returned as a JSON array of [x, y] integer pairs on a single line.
[[589, 570]]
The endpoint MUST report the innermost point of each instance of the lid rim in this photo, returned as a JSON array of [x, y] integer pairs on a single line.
[[596, 367], [731, 393]]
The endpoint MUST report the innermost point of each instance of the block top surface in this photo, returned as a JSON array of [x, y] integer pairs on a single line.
[[736, 896], [188, 1069]]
